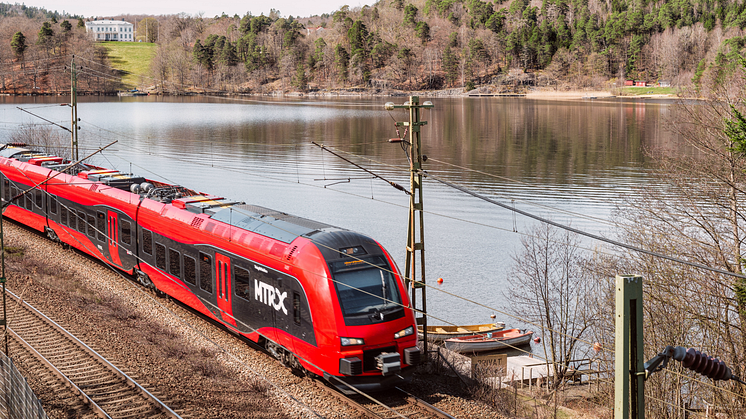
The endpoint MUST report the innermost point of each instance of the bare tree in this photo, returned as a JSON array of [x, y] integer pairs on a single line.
[[549, 287], [697, 215], [160, 66], [46, 138]]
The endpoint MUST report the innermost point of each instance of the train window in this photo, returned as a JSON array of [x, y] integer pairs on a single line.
[[91, 225], [37, 198], [6, 189], [220, 278], [160, 256], [100, 225], [243, 283], [29, 201], [81, 221], [366, 288], [205, 272], [174, 263], [147, 242], [53, 205], [63, 215], [126, 235], [296, 308], [190, 270]]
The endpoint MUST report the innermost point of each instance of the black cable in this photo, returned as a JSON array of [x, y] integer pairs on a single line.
[[581, 232]]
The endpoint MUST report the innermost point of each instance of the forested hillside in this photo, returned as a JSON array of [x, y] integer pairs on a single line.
[[424, 44], [436, 44]]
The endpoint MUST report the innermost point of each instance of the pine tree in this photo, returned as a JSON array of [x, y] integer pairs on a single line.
[[18, 44]]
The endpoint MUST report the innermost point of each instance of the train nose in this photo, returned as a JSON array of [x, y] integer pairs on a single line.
[[388, 362]]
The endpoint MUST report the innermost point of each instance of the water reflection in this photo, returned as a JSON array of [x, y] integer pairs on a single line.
[[567, 161]]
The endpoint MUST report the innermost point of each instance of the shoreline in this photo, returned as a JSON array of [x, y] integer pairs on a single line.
[[360, 92]]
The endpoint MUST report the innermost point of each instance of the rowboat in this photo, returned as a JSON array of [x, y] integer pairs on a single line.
[[490, 341], [441, 333]]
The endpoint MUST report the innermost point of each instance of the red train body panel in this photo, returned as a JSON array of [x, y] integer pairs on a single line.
[[317, 297]]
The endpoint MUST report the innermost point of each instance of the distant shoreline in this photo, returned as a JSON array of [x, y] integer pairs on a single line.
[[363, 92]]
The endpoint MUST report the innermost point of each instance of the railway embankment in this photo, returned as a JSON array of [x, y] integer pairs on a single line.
[[201, 369]]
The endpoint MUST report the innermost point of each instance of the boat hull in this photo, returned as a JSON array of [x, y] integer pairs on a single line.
[[438, 334], [484, 342]]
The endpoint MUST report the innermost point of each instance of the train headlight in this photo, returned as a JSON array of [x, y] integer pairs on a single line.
[[406, 332], [351, 341]]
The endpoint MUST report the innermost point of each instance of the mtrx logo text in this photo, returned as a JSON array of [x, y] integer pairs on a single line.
[[266, 294]]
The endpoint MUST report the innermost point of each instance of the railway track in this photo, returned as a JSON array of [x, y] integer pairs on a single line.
[[394, 403], [101, 388]]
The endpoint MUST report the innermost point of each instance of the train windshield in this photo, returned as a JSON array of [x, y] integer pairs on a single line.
[[368, 292]]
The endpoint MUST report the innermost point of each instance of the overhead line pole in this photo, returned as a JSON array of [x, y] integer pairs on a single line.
[[74, 111], [416, 224]]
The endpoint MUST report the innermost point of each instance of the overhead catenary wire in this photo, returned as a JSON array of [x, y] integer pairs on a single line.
[[491, 308], [529, 202], [106, 264], [571, 229], [263, 175], [699, 266], [243, 171], [105, 66], [94, 228], [581, 232], [44, 119], [520, 349], [512, 208]]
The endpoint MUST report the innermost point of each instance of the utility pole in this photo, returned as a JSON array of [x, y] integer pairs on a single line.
[[74, 110], [629, 369], [416, 225]]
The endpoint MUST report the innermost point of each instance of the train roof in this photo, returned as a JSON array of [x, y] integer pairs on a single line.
[[267, 222], [270, 223]]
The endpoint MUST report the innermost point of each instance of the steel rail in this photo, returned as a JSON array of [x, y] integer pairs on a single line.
[[412, 400], [103, 361], [64, 378]]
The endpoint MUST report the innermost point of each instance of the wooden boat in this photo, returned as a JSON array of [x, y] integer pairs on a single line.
[[441, 333], [489, 341]]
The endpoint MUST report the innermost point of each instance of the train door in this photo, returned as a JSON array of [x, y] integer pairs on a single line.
[[127, 246], [112, 236], [298, 318], [283, 293], [224, 288]]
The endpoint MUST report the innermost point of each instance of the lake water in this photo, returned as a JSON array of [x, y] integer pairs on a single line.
[[564, 160]]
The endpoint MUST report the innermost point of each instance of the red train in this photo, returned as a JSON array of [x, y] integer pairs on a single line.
[[317, 297]]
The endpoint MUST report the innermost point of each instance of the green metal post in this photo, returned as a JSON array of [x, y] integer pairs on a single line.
[[629, 356]]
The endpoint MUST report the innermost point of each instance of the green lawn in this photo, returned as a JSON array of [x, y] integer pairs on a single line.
[[133, 58], [637, 91]]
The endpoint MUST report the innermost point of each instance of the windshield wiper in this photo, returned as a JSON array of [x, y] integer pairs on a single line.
[[383, 286]]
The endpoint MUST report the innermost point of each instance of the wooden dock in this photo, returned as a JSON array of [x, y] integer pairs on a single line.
[[500, 370]]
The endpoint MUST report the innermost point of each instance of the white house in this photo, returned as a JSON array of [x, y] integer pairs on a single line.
[[110, 30]]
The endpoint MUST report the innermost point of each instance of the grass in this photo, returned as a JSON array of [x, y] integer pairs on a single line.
[[637, 91], [133, 58]]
